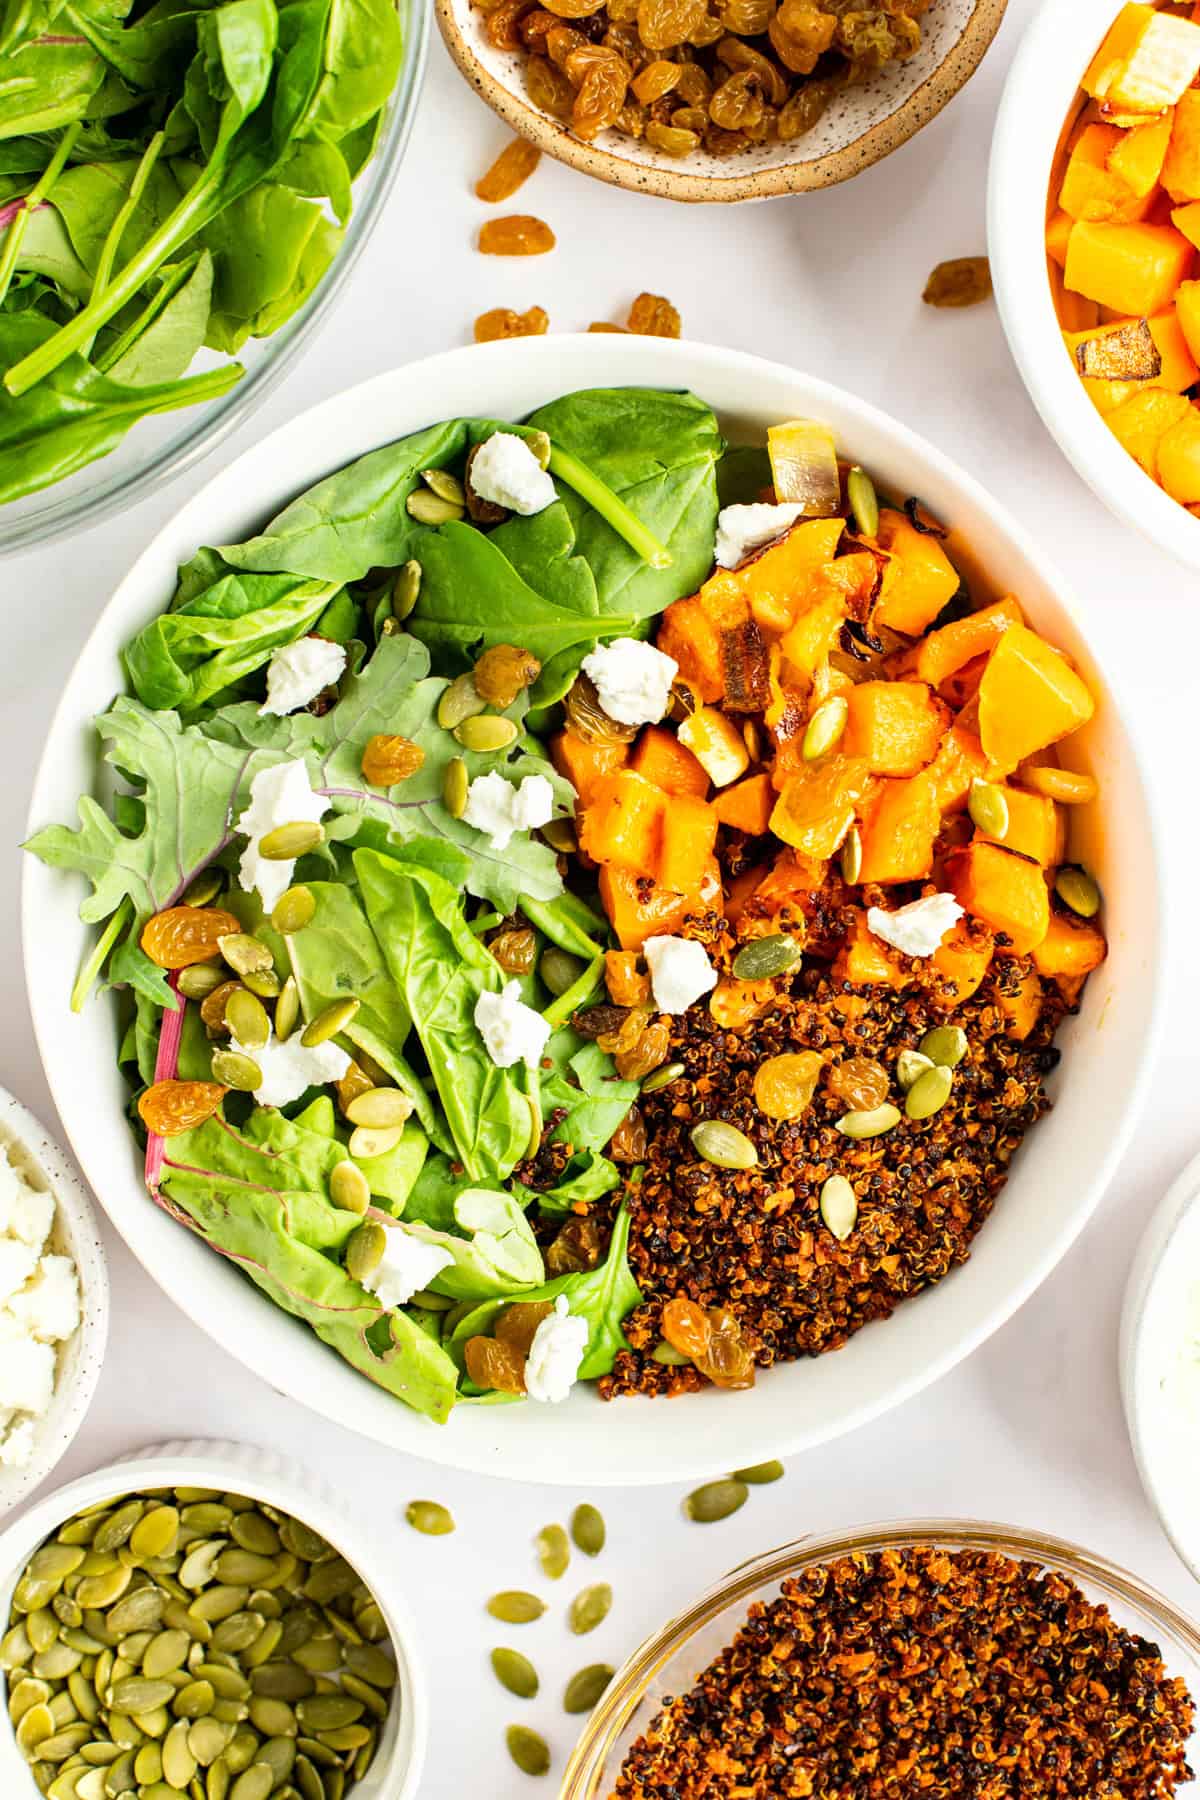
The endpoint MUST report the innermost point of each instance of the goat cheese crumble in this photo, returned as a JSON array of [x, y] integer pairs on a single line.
[[918, 928], [500, 809], [279, 795], [741, 529], [511, 1031], [679, 972], [39, 1309], [289, 1068], [506, 472], [555, 1355], [407, 1265], [298, 672], [632, 679]]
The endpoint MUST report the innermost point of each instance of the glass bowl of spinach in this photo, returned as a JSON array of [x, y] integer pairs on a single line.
[[184, 189]]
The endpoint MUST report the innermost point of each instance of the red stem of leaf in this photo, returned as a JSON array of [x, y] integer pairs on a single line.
[[166, 1065]]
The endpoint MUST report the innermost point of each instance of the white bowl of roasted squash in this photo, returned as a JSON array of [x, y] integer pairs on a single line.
[[1094, 237], [659, 855]]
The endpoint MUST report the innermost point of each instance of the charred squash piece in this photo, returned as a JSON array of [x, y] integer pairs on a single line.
[[895, 726], [745, 668], [943, 653], [583, 763], [863, 959], [1006, 891], [1071, 947], [964, 956], [1124, 353], [639, 908], [919, 578]]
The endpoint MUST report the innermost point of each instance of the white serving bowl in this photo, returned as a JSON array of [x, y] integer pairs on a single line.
[[76, 1234], [1160, 1362], [1060, 1175], [1039, 94], [262, 1475]]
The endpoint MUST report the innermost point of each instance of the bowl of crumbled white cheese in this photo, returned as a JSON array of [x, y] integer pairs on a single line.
[[53, 1303]]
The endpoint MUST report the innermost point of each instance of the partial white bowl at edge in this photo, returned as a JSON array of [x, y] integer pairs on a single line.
[[1040, 92], [1059, 1174], [76, 1234], [1160, 1362], [264, 1476]]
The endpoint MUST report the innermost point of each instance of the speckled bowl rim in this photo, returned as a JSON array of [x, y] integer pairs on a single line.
[[667, 181], [76, 1220]]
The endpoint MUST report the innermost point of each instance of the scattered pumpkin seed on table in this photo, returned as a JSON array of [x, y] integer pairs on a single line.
[[553, 1551], [515, 1672], [716, 1500], [530, 1752], [760, 1474], [512, 1606], [588, 1530], [589, 1608], [430, 1517], [586, 1686]]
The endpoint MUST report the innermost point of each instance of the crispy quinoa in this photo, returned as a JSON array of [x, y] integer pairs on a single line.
[[922, 1671], [752, 1241]]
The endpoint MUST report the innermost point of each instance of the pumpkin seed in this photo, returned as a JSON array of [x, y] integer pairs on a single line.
[[117, 1529], [166, 1653], [178, 1763], [486, 732], [308, 1782], [765, 957], [138, 1695], [460, 700], [553, 1551], [760, 1473], [263, 982], [515, 1607], [155, 1533], [254, 1531], [238, 1632], [244, 1568], [588, 1530], [101, 1590], [864, 502], [233, 1070], [530, 1752], [380, 1106], [328, 1022], [406, 590], [247, 1019], [585, 1687], [430, 1517], [283, 1681], [716, 1500], [142, 1610], [515, 1672], [445, 485], [929, 1092], [559, 971], [851, 856], [36, 1725], [723, 1145], [1069, 786], [987, 805], [945, 1045], [427, 508], [871, 1123], [909, 1065], [839, 1206], [274, 1718], [245, 955], [560, 835], [199, 980], [255, 1783], [669, 1356], [364, 1250], [539, 443], [456, 785], [589, 1608], [293, 910], [204, 889], [367, 1142], [349, 1188], [825, 727], [286, 842], [1076, 889], [328, 1712], [361, 1690], [372, 1665]]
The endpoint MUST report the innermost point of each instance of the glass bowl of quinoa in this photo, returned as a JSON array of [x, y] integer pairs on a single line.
[[948, 1657]]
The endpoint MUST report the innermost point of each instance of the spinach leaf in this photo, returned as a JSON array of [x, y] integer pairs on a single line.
[[361, 49], [130, 966], [337, 956], [46, 84], [589, 1177], [442, 969], [167, 338], [46, 250], [258, 245], [392, 1175], [583, 1083], [496, 1252]]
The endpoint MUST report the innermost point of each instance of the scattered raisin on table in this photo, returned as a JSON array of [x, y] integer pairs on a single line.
[[520, 234]]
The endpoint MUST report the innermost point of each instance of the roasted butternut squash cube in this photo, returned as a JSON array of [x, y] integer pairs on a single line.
[[746, 806], [787, 881], [1021, 1003], [1141, 422], [689, 635], [1071, 947], [1007, 892], [1035, 828], [1146, 61], [1179, 367], [689, 832], [816, 807], [1058, 231], [638, 908], [622, 822], [900, 825], [918, 580], [1138, 155], [775, 582], [1179, 459], [863, 959], [807, 642], [958, 763], [658, 756], [583, 763], [944, 652], [1029, 697], [895, 726], [1187, 219], [1134, 269], [964, 956], [1187, 311], [1090, 189], [1181, 168]]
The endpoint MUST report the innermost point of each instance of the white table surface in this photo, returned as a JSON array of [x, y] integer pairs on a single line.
[[1030, 1429]]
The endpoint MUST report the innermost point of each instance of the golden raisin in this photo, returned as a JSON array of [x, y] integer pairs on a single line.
[[517, 235], [859, 1084], [212, 1008], [170, 1107], [799, 114], [738, 102], [672, 140], [503, 672], [514, 165], [503, 322], [664, 23], [626, 1031], [561, 45], [652, 316], [727, 1359], [601, 95], [534, 28], [354, 1082], [603, 325], [516, 1325], [186, 934], [501, 28], [784, 1085], [628, 985], [655, 80], [736, 55], [515, 948], [963, 282], [494, 1365], [694, 86], [748, 18], [387, 760], [628, 1143], [573, 9], [549, 88], [576, 1248], [631, 120], [686, 1327]]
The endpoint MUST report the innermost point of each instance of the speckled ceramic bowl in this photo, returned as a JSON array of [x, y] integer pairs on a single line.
[[863, 126], [76, 1234]]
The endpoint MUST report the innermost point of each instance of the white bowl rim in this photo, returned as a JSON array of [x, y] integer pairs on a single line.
[[673, 364], [263, 1475], [1170, 1219], [55, 1434], [1039, 90]]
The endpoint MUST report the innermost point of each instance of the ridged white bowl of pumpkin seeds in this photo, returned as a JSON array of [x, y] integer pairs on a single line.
[[200, 1620]]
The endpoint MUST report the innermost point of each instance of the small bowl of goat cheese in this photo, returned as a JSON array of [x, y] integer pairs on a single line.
[[53, 1303]]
